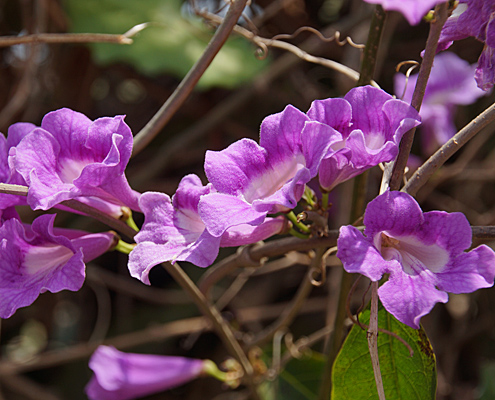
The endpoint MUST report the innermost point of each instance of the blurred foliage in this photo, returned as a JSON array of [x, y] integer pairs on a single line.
[[171, 44], [299, 380]]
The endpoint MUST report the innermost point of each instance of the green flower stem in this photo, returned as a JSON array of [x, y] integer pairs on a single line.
[[211, 369], [308, 196], [124, 247], [292, 218], [131, 223], [297, 234], [324, 200]]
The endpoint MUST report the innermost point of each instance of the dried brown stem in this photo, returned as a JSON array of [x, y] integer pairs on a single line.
[[423, 173], [173, 103], [442, 12]]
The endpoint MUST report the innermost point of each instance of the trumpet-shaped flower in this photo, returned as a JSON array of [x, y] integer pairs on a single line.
[[423, 253], [255, 180], [72, 157], [412, 10], [126, 376], [37, 258], [451, 83], [370, 123], [173, 230], [474, 18]]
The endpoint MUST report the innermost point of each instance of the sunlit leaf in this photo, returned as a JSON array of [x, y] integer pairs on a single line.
[[404, 377]]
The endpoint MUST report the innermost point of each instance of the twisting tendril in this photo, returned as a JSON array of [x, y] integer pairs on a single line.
[[415, 64], [334, 38]]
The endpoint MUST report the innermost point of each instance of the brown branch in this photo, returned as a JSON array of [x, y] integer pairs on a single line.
[[252, 255], [169, 150], [51, 38], [222, 328], [424, 172], [18, 190], [116, 224], [442, 12], [165, 113]]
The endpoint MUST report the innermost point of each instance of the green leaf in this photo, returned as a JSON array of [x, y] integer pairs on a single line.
[[171, 44], [299, 380], [404, 377]]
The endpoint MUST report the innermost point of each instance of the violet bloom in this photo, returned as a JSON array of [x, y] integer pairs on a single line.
[[7, 172], [72, 157], [255, 180], [422, 252], [412, 10], [40, 258], [173, 230], [451, 83], [474, 18], [371, 124], [126, 376]]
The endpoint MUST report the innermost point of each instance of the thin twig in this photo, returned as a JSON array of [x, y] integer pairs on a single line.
[[116, 224], [259, 251], [165, 113], [442, 12], [371, 49], [221, 327], [264, 43], [51, 38], [169, 150], [373, 341], [18, 190], [293, 308], [152, 334], [421, 176]]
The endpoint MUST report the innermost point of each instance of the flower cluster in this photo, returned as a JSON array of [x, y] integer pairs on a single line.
[[336, 140], [68, 157]]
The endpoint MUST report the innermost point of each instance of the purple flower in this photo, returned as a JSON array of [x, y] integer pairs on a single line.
[[126, 376], [474, 18], [451, 83], [422, 252], [7, 172], [255, 180], [173, 230], [72, 157], [412, 10], [40, 258], [371, 124]]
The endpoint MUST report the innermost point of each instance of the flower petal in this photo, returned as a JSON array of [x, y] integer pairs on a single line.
[[126, 376], [358, 255], [469, 271], [409, 297], [221, 211]]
